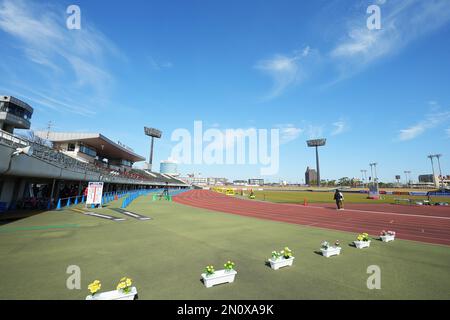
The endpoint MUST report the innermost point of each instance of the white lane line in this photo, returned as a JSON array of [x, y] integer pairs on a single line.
[[389, 213]]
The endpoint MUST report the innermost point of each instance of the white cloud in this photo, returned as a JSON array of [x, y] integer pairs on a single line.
[[412, 132], [339, 127], [288, 133], [431, 121], [285, 70], [402, 21], [67, 59], [159, 65]]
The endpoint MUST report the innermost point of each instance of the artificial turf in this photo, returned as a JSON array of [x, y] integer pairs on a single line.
[[166, 255]]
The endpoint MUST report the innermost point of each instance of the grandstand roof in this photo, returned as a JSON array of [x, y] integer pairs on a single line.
[[96, 141]]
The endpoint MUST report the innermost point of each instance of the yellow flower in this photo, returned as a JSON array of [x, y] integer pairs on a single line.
[[94, 286], [128, 282]]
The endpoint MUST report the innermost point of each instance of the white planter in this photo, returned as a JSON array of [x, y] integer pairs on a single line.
[[362, 244], [281, 262], [218, 277], [331, 251], [114, 295], [387, 238]]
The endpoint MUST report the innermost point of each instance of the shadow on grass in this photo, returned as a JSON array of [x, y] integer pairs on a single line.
[[13, 216], [318, 252]]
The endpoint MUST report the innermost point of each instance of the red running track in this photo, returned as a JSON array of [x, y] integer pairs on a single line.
[[426, 224]]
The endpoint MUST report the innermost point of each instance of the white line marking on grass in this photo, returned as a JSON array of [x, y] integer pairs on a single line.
[[98, 215], [132, 214], [103, 216]]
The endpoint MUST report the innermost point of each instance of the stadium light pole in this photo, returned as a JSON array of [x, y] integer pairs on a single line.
[[408, 177], [317, 143], [375, 177], [438, 156], [364, 176], [431, 156], [152, 133]]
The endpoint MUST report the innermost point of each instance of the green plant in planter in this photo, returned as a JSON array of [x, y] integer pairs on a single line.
[[276, 255], [125, 285], [209, 270], [229, 265], [94, 287], [286, 253]]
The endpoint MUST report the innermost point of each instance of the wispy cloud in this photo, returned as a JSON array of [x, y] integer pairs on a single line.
[[402, 21], [76, 59], [431, 121], [356, 47], [155, 65], [288, 132], [285, 70], [339, 127]]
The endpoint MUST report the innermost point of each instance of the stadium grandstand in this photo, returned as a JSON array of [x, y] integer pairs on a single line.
[[36, 172]]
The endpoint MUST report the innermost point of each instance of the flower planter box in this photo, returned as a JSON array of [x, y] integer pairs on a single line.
[[362, 244], [331, 251], [281, 262], [219, 277], [387, 238], [114, 295]]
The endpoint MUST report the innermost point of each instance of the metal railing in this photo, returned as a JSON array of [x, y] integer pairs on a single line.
[[63, 161]]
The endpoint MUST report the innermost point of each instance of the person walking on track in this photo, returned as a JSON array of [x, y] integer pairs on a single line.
[[339, 198]]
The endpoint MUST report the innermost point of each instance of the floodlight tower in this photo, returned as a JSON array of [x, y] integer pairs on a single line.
[[364, 176], [153, 133], [317, 143], [437, 156], [408, 177], [374, 177], [431, 156]]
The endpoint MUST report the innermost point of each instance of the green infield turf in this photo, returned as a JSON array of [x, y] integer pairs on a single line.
[[327, 197], [166, 255]]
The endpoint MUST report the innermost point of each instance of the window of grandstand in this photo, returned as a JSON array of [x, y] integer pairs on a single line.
[[89, 151], [126, 163], [15, 110], [71, 147]]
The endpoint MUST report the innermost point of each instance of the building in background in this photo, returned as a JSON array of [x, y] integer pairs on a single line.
[[240, 182], [169, 167], [310, 176], [255, 182], [14, 114], [217, 181]]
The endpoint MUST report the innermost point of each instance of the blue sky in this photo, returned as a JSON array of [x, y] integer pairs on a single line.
[[309, 68]]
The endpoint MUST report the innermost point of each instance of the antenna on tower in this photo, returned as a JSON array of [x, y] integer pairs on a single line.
[[49, 126]]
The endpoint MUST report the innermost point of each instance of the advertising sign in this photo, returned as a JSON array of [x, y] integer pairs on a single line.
[[95, 192]]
